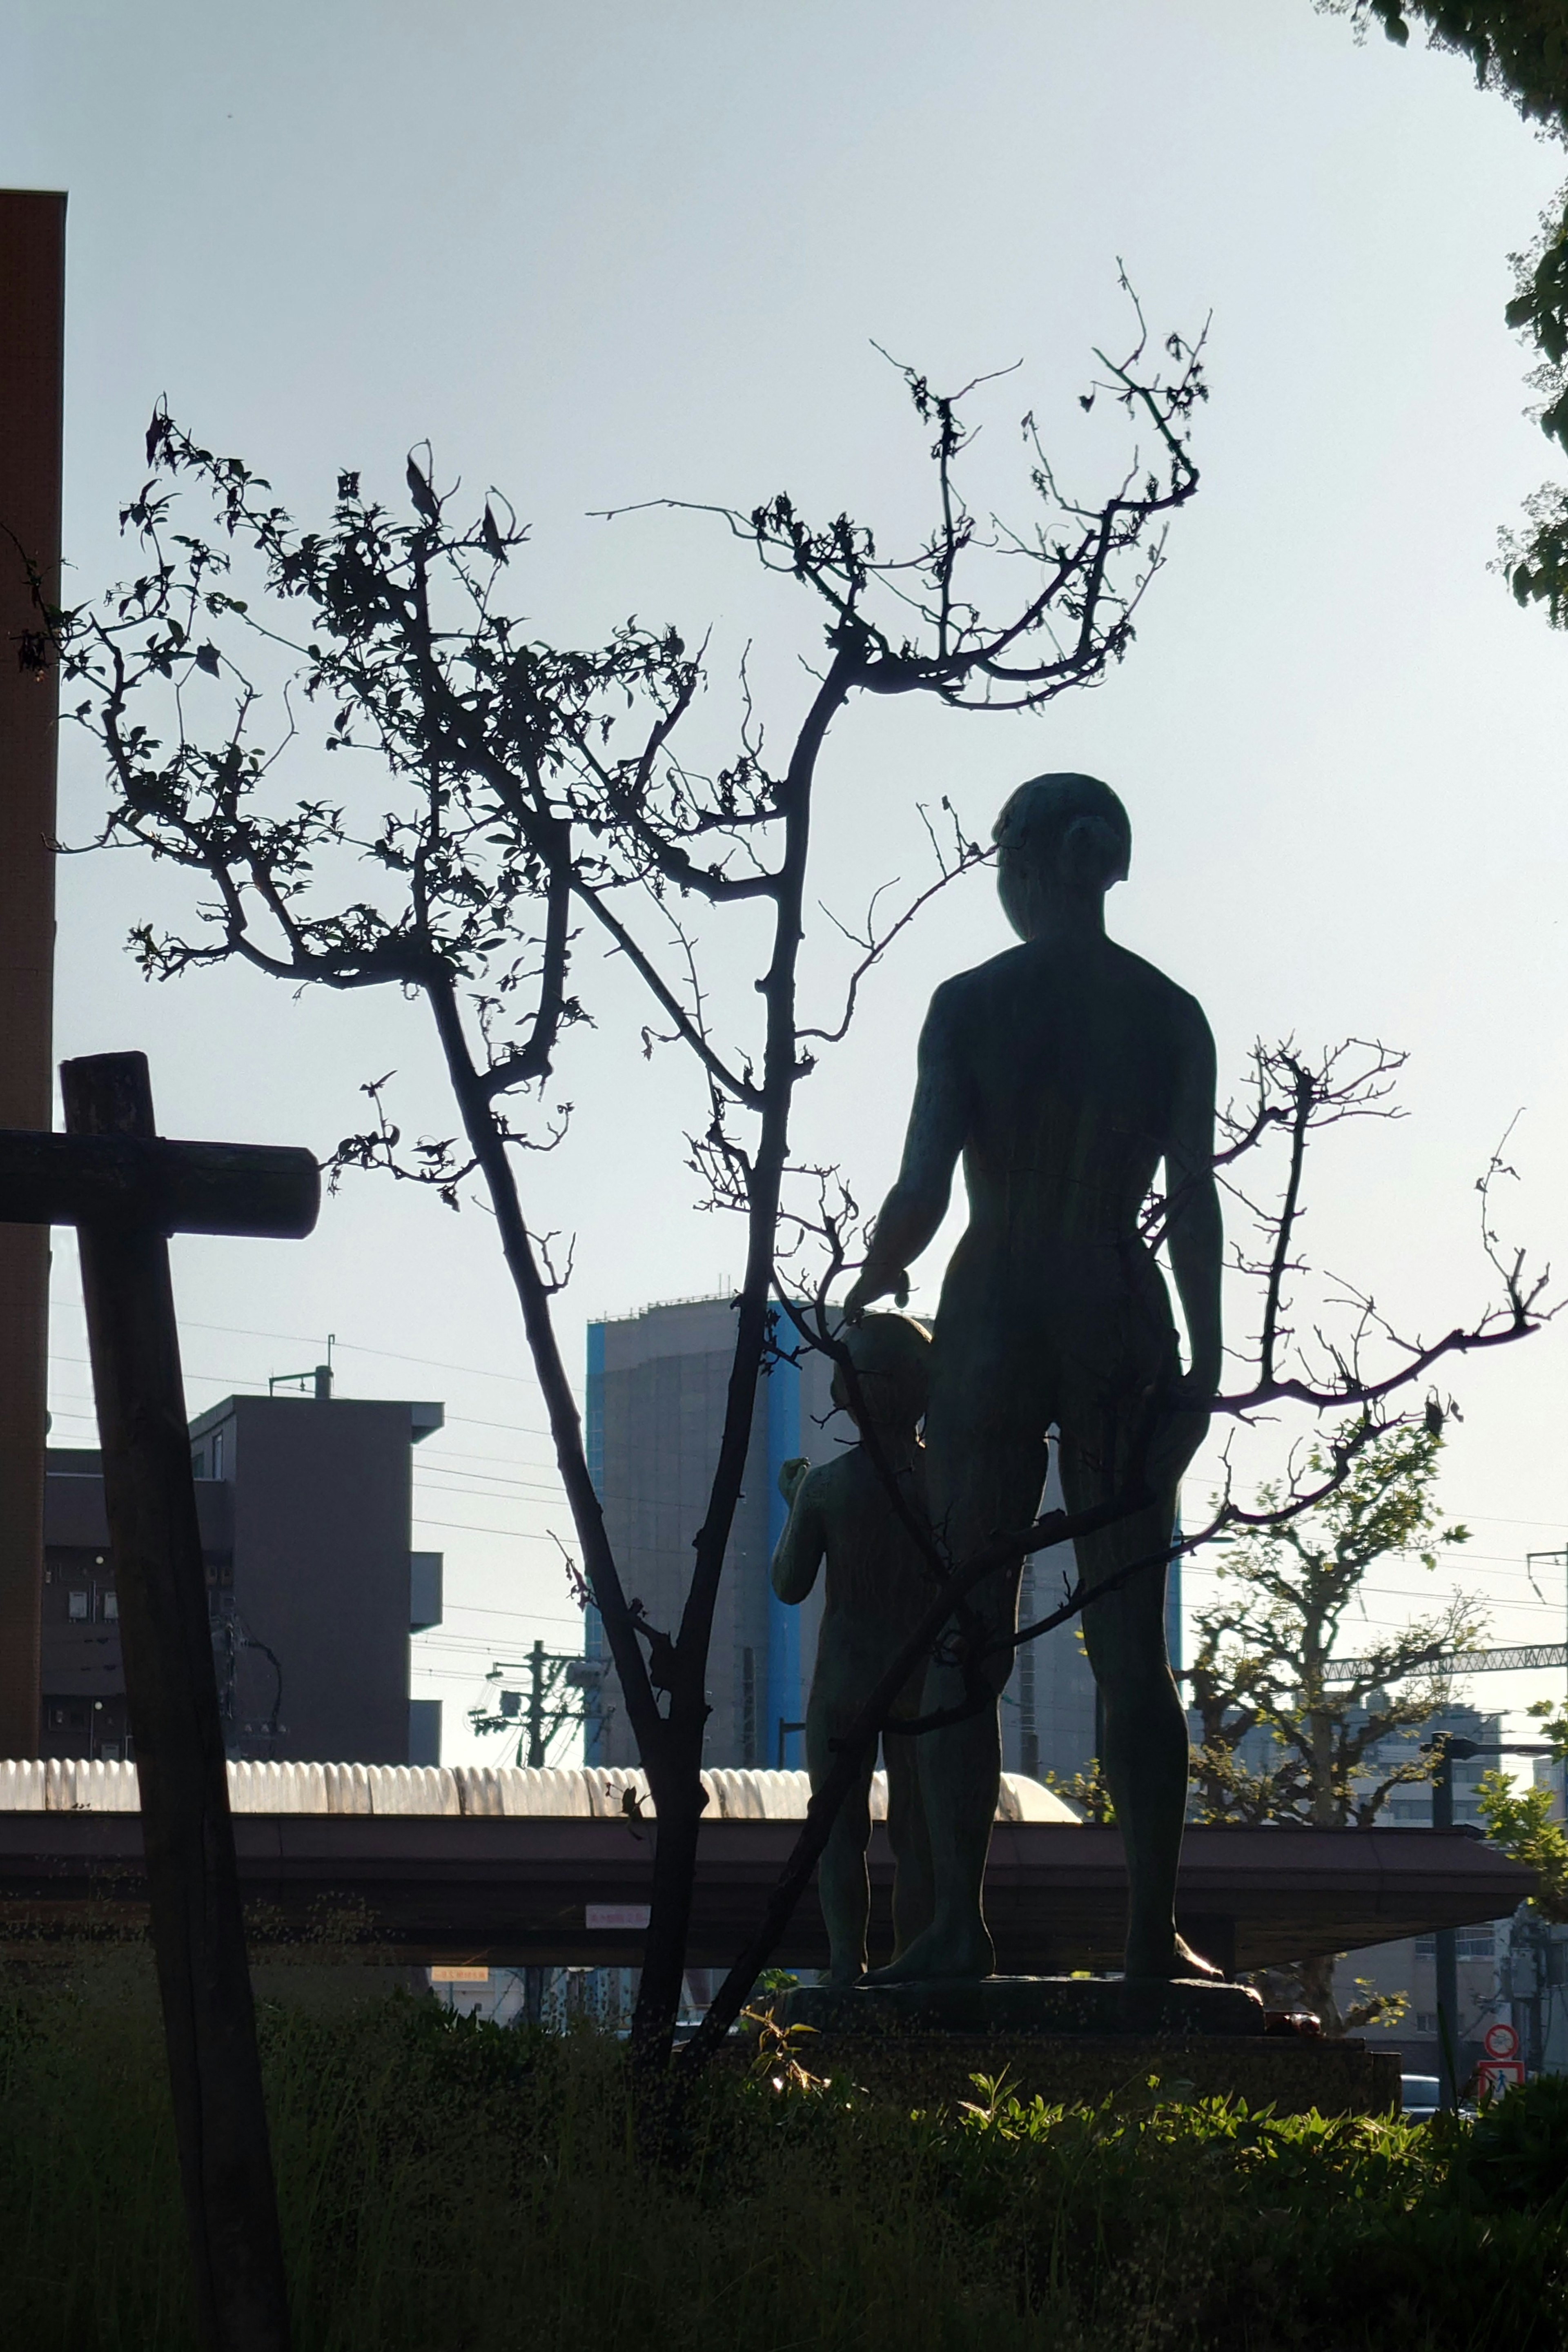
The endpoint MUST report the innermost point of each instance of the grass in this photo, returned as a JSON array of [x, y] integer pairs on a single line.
[[449, 2186]]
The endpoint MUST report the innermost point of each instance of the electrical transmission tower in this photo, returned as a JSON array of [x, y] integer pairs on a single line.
[[540, 1697]]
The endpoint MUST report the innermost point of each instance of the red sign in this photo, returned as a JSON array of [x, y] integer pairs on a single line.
[[1501, 2041], [1494, 2075]]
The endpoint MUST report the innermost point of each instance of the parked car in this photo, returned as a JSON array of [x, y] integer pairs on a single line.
[[1420, 2097]]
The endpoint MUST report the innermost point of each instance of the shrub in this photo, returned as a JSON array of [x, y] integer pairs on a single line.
[[448, 2185]]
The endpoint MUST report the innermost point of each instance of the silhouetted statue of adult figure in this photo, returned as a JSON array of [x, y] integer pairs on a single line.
[[1064, 1072]]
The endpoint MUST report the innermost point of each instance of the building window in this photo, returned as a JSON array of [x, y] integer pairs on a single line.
[[77, 1607], [1425, 2020], [1469, 1944], [199, 1463], [217, 1454], [112, 1607]]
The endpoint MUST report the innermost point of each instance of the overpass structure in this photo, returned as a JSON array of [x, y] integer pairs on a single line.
[[1518, 1658], [511, 1867]]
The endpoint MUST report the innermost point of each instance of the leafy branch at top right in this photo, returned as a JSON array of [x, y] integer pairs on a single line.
[[1519, 48]]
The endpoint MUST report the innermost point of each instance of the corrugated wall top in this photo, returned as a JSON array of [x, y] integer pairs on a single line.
[[72, 1784]]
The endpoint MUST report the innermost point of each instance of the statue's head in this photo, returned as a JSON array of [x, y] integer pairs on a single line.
[[891, 1356], [1058, 837]]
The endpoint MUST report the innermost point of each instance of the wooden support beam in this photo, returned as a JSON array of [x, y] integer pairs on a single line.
[[32, 302], [172, 1187], [192, 1881]]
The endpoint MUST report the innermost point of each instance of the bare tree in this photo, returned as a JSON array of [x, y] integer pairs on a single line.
[[517, 793]]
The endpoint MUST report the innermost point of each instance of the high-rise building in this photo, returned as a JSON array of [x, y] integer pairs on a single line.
[[655, 1391], [656, 1395], [313, 1588]]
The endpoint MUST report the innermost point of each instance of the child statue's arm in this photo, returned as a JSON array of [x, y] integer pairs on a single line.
[[801, 1547]]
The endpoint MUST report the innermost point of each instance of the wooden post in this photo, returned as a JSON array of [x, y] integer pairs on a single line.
[[171, 1689], [32, 298]]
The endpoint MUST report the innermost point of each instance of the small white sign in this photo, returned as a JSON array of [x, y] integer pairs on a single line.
[[1502, 2042], [1495, 2075], [614, 1915]]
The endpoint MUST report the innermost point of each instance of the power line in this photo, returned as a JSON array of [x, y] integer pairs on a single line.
[[352, 1348], [517, 1616], [468, 1528]]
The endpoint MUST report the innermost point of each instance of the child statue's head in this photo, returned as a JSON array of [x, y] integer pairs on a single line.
[[891, 1358]]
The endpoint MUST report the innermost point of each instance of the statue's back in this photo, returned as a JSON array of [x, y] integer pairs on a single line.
[[1072, 1062]]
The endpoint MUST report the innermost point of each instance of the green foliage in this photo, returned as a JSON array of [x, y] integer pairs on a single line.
[[1519, 1821], [1520, 49], [1515, 2160], [449, 2186], [1087, 1790], [1517, 47], [1265, 1646]]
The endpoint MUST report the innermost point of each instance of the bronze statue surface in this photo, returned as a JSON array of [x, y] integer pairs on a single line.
[[1063, 1073], [877, 1582]]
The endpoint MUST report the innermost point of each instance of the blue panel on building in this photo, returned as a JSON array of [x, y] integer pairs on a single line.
[[786, 1698]]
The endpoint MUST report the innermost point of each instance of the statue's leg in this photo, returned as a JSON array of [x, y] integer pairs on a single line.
[[843, 1885], [985, 1454], [1145, 1761], [914, 1895]]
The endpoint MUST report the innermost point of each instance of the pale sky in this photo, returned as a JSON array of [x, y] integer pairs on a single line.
[[604, 253]]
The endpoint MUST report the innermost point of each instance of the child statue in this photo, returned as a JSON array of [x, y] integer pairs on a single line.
[[878, 1584]]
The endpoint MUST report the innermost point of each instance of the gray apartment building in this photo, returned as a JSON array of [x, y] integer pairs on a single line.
[[656, 1388], [313, 1587]]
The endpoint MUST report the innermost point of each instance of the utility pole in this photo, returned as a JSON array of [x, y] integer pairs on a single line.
[[536, 1707], [1451, 1750], [1446, 1942], [541, 1695]]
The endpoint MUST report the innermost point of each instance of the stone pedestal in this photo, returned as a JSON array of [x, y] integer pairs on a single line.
[[1026, 2006], [1078, 2040]]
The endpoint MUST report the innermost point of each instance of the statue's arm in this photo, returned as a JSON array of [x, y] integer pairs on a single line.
[[916, 1204], [801, 1548], [1194, 1233]]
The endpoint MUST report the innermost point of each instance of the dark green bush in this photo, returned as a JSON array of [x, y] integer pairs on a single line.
[[447, 2187], [1514, 2158]]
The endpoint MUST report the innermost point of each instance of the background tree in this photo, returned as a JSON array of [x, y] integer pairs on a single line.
[[1519, 1819], [1264, 1677], [1267, 1645]]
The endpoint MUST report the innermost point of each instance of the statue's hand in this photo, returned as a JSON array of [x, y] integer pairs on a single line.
[[875, 1282], [792, 1477]]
